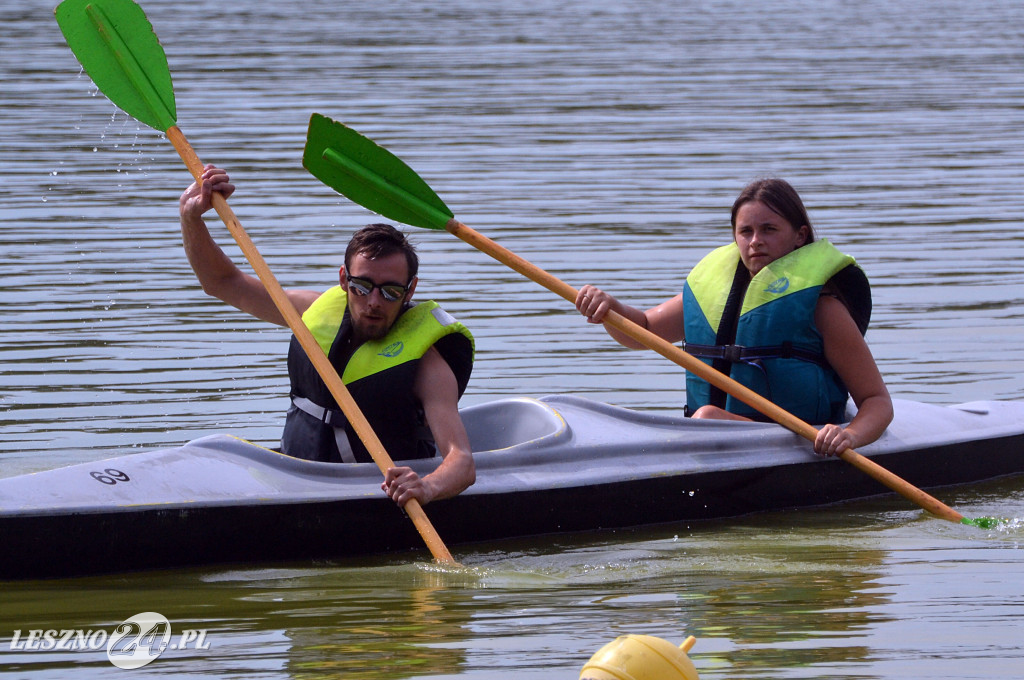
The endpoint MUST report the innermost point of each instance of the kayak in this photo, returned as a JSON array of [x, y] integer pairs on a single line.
[[555, 464]]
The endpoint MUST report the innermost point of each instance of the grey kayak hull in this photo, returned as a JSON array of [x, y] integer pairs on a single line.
[[549, 465]]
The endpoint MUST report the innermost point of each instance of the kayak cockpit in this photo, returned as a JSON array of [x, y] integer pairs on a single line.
[[504, 424]]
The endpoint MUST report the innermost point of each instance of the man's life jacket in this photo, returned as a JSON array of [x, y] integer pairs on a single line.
[[760, 331], [380, 376]]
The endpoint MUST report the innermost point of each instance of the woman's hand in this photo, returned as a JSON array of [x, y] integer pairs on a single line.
[[833, 440], [594, 303]]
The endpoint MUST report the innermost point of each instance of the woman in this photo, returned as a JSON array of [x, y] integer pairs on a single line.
[[778, 312]]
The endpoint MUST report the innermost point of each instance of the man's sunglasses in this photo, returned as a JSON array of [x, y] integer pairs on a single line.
[[389, 291]]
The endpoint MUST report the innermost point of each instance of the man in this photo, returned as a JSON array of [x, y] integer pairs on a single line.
[[405, 365]]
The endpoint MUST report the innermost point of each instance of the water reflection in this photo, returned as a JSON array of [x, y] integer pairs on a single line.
[[762, 594], [385, 630]]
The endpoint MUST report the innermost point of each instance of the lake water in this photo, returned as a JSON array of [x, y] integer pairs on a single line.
[[604, 142]]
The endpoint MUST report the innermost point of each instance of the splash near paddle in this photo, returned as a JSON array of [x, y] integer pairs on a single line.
[[117, 47]]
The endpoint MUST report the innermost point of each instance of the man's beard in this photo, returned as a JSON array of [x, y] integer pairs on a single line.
[[372, 331]]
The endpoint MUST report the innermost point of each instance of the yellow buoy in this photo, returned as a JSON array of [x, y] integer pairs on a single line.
[[641, 657]]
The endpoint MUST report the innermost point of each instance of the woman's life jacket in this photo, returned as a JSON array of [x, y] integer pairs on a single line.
[[760, 331]]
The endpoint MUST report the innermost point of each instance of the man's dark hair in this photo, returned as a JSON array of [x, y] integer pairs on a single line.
[[381, 240]]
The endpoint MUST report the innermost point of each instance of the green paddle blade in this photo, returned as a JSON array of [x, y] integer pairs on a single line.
[[984, 522], [116, 45], [370, 175]]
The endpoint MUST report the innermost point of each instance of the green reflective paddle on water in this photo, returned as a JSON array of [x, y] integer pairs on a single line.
[[373, 177], [116, 45]]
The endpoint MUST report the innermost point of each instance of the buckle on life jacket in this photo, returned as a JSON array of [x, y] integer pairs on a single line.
[[732, 353]]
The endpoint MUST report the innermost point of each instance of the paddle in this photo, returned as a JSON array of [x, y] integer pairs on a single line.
[[116, 45], [373, 177]]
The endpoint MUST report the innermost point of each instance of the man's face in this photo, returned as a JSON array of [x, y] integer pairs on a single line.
[[373, 315]]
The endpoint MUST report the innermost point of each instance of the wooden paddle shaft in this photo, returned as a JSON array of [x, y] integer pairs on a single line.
[[311, 346], [690, 363]]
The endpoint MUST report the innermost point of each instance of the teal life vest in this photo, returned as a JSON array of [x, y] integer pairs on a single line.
[[380, 376], [760, 331]]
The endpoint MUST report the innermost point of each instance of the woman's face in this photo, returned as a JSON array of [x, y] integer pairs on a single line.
[[764, 236]]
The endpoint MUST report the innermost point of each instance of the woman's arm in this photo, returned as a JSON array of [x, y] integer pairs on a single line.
[[847, 352], [665, 320]]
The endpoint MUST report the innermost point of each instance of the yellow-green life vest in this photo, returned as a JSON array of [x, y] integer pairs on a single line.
[[775, 348]]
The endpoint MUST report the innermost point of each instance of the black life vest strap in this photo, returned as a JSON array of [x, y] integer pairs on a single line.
[[727, 329], [739, 354]]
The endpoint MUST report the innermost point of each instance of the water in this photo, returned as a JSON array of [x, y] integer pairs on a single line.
[[604, 142]]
